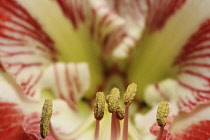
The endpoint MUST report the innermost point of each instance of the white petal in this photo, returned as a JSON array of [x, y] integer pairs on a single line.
[[144, 122], [25, 49]]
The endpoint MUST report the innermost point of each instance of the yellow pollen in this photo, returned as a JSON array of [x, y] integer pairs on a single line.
[[99, 106], [130, 94], [112, 99], [120, 113], [45, 118], [162, 113]]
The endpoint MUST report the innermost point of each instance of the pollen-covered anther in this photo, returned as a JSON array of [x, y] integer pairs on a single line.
[[162, 113], [45, 118], [99, 106], [130, 94], [112, 100], [120, 112]]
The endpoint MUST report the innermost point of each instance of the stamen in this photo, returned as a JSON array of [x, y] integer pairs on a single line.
[[112, 100], [45, 118], [99, 106], [130, 94], [162, 113], [128, 98], [99, 112]]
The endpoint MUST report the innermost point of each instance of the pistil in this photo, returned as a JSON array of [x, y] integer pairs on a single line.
[[162, 113], [99, 112], [128, 98]]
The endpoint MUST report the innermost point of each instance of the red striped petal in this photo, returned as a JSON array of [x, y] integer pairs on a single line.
[[68, 81], [194, 66], [137, 14], [133, 14], [191, 86], [27, 52], [107, 26], [157, 12], [25, 49]]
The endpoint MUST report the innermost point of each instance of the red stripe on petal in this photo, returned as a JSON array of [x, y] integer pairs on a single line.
[[25, 49], [159, 12], [74, 10], [1, 68], [11, 123], [199, 131]]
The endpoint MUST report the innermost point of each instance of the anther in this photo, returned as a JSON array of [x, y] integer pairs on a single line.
[[112, 100], [162, 113], [120, 112], [130, 94], [45, 118], [99, 112], [99, 106]]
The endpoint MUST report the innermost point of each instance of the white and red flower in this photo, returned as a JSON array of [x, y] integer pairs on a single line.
[[67, 50]]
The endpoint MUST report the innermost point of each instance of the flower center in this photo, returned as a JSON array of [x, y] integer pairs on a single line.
[[118, 113]]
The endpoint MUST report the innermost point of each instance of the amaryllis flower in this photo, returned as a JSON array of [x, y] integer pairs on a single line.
[[68, 50]]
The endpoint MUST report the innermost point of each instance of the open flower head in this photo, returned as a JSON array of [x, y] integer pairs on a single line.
[[79, 54]]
